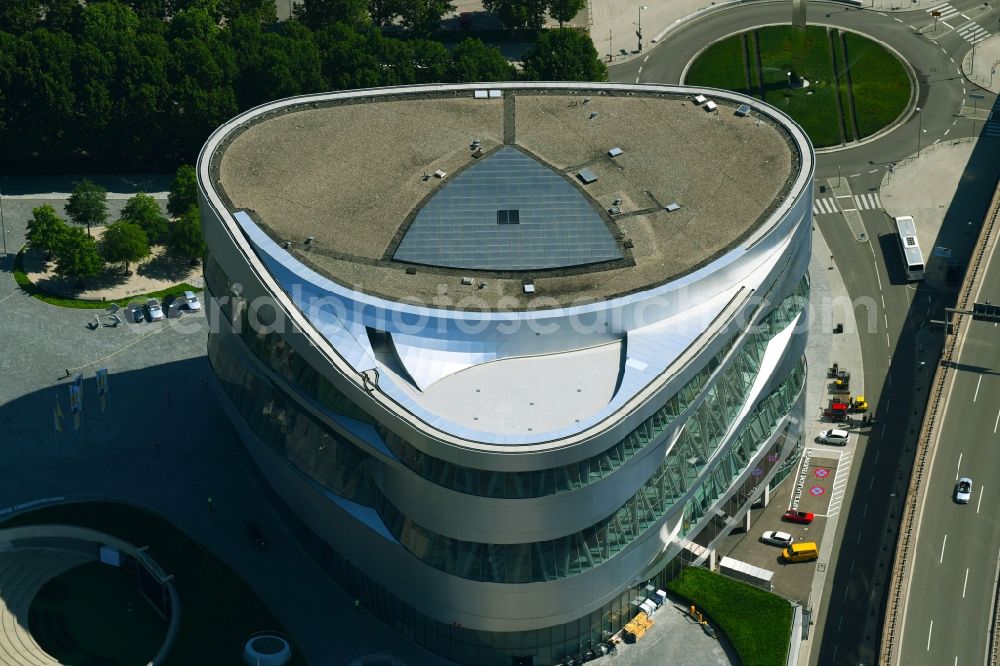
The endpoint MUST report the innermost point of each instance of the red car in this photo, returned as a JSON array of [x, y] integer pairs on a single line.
[[803, 517]]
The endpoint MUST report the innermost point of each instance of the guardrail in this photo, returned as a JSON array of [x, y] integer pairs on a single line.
[[888, 654]]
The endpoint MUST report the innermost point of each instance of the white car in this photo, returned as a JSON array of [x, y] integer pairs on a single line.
[[191, 301], [963, 491], [153, 309], [781, 539], [833, 436]]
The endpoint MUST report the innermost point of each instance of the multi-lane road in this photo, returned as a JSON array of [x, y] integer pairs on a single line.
[[848, 617], [957, 558]]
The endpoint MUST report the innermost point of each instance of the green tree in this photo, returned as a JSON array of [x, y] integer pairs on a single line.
[[518, 13], [280, 61], [88, 204], [564, 54], [17, 16], [186, 239], [45, 228], [472, 60], [384, 12], [144, 212], [77, 255], [318, 14], [124, 242], [183, 191], [423, 17], [564, 10]]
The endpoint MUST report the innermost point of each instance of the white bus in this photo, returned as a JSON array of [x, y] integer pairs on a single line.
[[913, 258]]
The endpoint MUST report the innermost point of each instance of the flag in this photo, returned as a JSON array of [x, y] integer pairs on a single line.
[[56, 415], [59, 411], [75, 404]]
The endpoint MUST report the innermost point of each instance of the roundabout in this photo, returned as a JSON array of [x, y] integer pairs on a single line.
[[941, 91], [847, 87]]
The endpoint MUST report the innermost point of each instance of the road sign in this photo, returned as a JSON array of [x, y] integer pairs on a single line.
[[935, 14], [977, 96], [985, 311]]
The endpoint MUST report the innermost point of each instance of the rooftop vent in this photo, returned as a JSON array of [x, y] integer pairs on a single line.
[[587, 176], [743, 110], [410, 270], [467, 281], [593, 114], [700, 99], [615, 152], [440, 174], [310, 240], [710, 106], [629, 244], [671, 207], [528, 286]]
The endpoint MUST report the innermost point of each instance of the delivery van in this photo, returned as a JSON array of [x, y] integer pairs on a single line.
[[805, 551]]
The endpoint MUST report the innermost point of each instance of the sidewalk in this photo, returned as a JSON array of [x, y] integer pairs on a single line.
[[982, 64]]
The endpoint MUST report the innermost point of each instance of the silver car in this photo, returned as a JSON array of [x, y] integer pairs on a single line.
[[191, 301], [963, 490], [781, 539], [834, 436], [153, 309]]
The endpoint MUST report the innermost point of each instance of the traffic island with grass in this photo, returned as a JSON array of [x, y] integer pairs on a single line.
[[855, 86], [758, 624]]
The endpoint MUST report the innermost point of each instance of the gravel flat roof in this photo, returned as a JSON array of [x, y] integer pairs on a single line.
[[353, 174]]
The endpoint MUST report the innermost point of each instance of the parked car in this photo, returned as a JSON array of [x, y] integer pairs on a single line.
[[963, 490], [782, 539], [833, 436], [190, 300], [806, 551], [153, 310], [135, 313], [801, 517]]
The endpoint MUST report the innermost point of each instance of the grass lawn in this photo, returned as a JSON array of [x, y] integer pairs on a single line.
[[842, 88], [880, 84], [815, 107], [218, 610], [80, 304], [721, 65], [881, 87], [94, 614], [757, 623]]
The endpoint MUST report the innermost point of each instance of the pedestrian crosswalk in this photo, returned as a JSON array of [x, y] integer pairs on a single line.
[[972, 33], [947, 12], [830, 205]]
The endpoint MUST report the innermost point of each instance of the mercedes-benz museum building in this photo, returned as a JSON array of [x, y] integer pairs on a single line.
[[507, 355]]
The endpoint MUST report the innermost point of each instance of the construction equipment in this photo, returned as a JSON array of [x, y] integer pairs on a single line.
[[859, 404], [841, 379]]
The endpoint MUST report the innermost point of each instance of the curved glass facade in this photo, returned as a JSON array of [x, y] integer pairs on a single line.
[[281, 358], [340, 466]]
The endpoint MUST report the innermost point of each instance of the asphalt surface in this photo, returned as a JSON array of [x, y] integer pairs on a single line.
[[893, 330], [950, 603]]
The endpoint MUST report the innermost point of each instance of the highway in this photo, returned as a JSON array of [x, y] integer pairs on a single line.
[[949, 608]]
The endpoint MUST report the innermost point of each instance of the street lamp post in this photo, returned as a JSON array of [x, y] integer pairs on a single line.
[[638, 33], [3, 225], [920, 127]]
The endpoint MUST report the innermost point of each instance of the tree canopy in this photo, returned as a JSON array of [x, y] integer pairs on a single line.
[[77, 255], [88, 204], [183, 191], [186, 239], [565, 54], [45, 228], [144, 212], [565, 10], [124, 242], [118, 85]]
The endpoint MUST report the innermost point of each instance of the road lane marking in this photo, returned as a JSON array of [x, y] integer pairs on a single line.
[[877, 451], [977, 388], [996, 423], [886, 318], [841, 623], [871, 481], [645, 59], [897, 19], [846, 590], [887, 343], [980, 502], [929, 632], [640, 70], [883, 299], [851, 572], [865, 513], [882, 435], [935, 142], [858, 541], [946, 131], [959, 465], [854, 175], [963, 592], [943, 544], [952, 59]]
